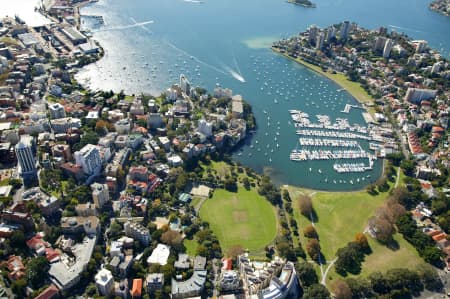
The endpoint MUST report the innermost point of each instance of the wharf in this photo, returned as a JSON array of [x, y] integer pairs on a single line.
[[328, 142], [304, 155], [322, 133], [348, 107]]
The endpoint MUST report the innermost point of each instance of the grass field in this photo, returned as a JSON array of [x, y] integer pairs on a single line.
[[243, 218], [343, 214], [191, 247], [383, 258], [340, 215]]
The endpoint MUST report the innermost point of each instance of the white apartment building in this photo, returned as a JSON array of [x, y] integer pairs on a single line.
[[57, 111], [89, 159], [104, 282], [136, 231], [100, 194]]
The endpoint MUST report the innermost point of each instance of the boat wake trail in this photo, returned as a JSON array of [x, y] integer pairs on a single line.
[[235, 74], [405, 28], [195, 58], [194, 1], [140, 24]]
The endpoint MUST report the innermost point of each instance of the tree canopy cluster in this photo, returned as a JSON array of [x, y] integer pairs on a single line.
[[423, 243]]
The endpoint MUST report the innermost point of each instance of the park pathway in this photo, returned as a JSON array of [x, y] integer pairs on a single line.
[[397, 179]]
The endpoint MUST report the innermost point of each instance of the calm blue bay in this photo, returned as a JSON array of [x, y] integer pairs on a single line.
[[149, 43]]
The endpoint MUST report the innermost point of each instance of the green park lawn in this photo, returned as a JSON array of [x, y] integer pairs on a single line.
[[383, 258], [340, 215], [240, 218], [191, 247]]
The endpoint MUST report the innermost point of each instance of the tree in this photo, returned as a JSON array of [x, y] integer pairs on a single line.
[[362, 242], [430, 278], [171, 238], [360, 287], [15, 183], [341, 290], [36, 271], [235, 250], [305, 205], [287, 251], [349, 259], [404, 279], [230, 184], [379, 283], [433, 255], [18, 239], [306, 274], [382, 228], [181, 181], [408, 167], [310, 232], [269, 190], [395, 158], [316, 291], [19, 288], [115, 230], [313, 249], [246, 183]]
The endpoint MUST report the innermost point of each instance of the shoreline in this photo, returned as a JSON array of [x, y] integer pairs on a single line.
[[361, 96], [312, 190]]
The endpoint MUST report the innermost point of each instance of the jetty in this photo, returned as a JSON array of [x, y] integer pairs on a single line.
[[328, 142], [353, 167], [304, 155], [348, 107], [324, 133]]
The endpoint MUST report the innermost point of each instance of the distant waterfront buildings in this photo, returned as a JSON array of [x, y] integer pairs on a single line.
[[379, 44], [421, 45], [312, 34], [417, 95], [331, 33], [220, 92], [205, 127], [387, 48], [185, 85], [345, 30], [319, 40]]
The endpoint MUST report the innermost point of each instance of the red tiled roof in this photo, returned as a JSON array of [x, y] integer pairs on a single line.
[[49, 293], [437, 129], [136, 290], [439, 237], [227, 264]]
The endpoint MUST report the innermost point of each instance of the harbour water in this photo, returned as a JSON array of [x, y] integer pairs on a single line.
[[149, 43]]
